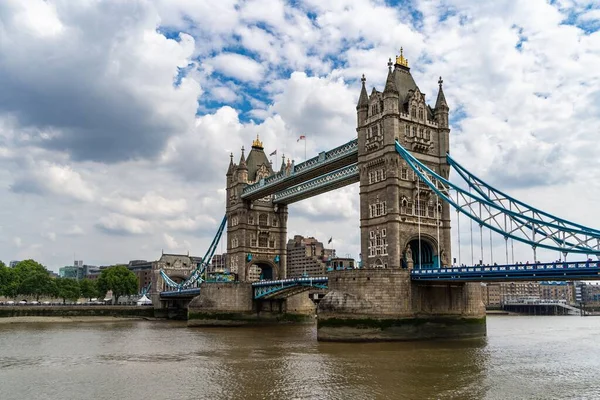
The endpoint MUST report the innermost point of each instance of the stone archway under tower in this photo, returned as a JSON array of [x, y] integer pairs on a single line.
[[424, 254], [261, 269]]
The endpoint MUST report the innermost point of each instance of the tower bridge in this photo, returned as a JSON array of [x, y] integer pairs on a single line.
[[408, 287]]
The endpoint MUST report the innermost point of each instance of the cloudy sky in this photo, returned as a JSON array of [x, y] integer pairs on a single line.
[[117, 117]]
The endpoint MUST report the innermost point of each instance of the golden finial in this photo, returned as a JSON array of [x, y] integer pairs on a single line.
[[400, 60], [257, 143]]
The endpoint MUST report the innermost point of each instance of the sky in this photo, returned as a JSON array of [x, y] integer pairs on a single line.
[[117, 117]]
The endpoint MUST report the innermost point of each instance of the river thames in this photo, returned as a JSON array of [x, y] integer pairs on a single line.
[[522, 358]]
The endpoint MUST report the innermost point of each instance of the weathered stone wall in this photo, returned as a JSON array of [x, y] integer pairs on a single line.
[[76, 311], [375, 304], [368, 291], [300, 304], [223, 297]]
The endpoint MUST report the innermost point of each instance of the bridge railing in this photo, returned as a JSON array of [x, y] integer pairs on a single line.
[[323, 158], [508, 268]]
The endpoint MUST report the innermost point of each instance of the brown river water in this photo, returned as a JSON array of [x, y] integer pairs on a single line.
[[521, 358]]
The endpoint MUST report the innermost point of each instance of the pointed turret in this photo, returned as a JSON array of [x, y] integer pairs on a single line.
[[363, 100], [390, 83], [282, 169], [441, 99], [231, 165], [242, 164], [242, 169], [362, 107], [441, 108]]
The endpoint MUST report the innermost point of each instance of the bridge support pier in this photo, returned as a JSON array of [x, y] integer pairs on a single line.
[[232, 304], [385, 305]]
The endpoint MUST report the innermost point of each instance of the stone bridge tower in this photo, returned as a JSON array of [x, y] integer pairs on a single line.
[[256, 231], [396, 209]]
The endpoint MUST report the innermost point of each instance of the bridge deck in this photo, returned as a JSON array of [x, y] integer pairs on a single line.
[[322, 164], [503, 273]]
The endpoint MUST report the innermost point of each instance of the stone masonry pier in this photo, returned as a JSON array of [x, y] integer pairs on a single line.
[[232, 304], [384, 305]]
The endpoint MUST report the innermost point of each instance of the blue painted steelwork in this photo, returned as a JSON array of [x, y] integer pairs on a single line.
[[146, 289], [546, 271], [492, 194], [347, 150], [505, 200], [181, 293], [267, 288], [332, 180], [197, 275], [556, 237]]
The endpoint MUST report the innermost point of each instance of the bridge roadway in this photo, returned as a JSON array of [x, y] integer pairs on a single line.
[[581, 270], [324, 163]]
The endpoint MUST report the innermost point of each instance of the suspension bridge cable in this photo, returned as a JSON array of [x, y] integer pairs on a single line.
[[472, 253], [458, 225], [437, 223], [419, 218], [582, 238]]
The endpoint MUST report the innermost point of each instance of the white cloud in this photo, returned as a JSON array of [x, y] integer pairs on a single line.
[[47, 178], [51, 236], [74, 230], [237, 66], [149, 205], [118, 224]]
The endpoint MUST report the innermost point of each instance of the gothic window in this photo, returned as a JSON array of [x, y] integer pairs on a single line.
[[234, 242], [420, 113], [414, 131], [252, 240], [377, 245], [421, 133], [274, 222], [272, 243], [404, 173], [413, 112], [263, 220], [428, 134], [407, 130], [263, 241], [234, 221], [250, 219], [374, 109]]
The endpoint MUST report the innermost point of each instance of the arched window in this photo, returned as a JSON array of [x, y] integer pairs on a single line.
[[250, 219], [413, 112]]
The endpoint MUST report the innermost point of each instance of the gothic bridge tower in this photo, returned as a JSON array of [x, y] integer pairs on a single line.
[[257, 230], [403, 224]]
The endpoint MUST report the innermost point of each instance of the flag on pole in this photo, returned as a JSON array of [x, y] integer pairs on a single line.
[[273, 153], [330, 239], [302, 137]]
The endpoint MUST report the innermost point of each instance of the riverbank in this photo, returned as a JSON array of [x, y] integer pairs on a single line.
[[76, 312], [36, 320]]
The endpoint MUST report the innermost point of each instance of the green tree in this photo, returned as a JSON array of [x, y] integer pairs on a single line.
[[37, 284], [8, 281], [88, 288], [118, 279], [67, 289]]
